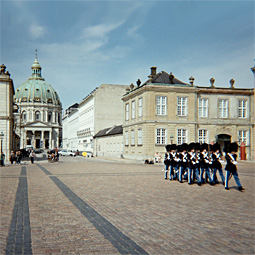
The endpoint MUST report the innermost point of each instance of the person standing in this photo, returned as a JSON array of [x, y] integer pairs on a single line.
[[18, 156], [2, 159], [231, 168], [216, 165], [12, 157], [167, 160], [32, 156]]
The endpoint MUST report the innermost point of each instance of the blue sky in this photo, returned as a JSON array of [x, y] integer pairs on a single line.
[[83, 44]]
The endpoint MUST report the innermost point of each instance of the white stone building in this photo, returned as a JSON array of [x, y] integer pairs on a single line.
[[100, 109], [39, 115], [6, 112]]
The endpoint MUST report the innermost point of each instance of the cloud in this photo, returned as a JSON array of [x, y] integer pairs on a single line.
[[37, 31]]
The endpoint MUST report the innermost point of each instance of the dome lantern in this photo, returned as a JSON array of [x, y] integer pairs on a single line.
[[36, 69]]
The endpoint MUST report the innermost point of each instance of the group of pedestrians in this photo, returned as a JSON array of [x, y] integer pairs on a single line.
[[200, 163], [15, 158]]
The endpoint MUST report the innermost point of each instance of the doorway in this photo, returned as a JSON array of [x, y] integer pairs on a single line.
[[224, 140]]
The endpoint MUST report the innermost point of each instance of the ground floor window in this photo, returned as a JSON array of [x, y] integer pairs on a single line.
[[181, 136], [202, 136], [160, 136], [243, 136]]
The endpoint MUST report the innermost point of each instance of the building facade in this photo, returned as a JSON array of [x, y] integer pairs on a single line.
[[100, 109], [39, 112], [109, 142], [166, 110], [6, 112]]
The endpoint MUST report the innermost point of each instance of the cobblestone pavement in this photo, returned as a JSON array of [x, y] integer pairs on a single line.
[[95, 206]]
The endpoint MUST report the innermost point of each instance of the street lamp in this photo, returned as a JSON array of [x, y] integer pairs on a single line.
[[171, 138], [2, 138]]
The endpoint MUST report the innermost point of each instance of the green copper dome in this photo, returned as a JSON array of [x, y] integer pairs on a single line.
[[36, 89]]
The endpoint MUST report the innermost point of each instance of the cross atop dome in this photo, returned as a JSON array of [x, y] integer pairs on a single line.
[[36, 69]]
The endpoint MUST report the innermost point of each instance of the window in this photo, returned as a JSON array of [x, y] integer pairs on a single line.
[[181, 106], [161, 106], [223, 108], [203, 107], [37, 115], [49, 116], [140, 101], [181, 136], [127, 111], [132, 137], [242, 109], [133, 109], [160, 136], [126, 138], [140, 137], [243, 136], [24, 116], [202, 136]]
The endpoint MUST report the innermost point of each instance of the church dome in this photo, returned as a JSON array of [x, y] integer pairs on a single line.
[[36, 89]]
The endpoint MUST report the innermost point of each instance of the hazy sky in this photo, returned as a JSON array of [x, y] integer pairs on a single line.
[[83, 44]]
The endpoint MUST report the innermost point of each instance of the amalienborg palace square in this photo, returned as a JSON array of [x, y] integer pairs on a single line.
[[160, 111]]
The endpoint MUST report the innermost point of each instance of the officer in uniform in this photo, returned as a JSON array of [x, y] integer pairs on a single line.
[[167, 160], [231, 168], [216, 165]]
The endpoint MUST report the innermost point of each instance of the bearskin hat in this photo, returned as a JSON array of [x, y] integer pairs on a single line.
[[204, 146], [173, 147], [192, 146], [168, 147], [233, 147], [198, 146], [179, 148], [216, 147], [184, 147]]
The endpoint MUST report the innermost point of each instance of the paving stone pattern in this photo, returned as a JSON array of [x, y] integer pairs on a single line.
[[73, 203]]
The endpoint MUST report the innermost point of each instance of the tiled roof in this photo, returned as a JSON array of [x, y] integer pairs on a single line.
[[115, 130]]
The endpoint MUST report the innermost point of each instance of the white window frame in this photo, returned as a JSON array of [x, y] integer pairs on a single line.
[[242, 109], [126, 138], [223, 108], [161, 136], [243, 135], [203, 107], [133, 109], [203, 135], [182, 136], [140, 106], [140, 136], [132, 137], [127, 111], [161, 105], [182, 106]]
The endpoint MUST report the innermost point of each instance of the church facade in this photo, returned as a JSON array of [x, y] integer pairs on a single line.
[[38, 112], [165, 110]]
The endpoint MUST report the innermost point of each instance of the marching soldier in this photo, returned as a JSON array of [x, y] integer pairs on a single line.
[[231, 168], [204, 163], [183, 160], [167, 160], [216, 165]]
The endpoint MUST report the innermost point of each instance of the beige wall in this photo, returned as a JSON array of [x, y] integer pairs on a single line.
[[214, 125]]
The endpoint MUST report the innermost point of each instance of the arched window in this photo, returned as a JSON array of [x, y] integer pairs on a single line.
[[49, 116], [37, 115], [24, 116]]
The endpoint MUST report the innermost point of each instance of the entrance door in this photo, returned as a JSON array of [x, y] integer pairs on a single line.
[[224, 140], [37, 143]]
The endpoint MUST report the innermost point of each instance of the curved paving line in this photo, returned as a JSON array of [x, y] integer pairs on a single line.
[[19, 237], [118, 239]]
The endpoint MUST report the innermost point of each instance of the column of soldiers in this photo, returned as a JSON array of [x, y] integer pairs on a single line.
[[200, 163]]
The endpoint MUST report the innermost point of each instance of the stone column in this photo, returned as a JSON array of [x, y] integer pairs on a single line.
[[43, 142]]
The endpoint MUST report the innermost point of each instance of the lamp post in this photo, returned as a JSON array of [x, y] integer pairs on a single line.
[[171, 138], [1, 143]]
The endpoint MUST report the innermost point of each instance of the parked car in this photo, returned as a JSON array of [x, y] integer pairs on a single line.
[[87, 154], [66, 153]]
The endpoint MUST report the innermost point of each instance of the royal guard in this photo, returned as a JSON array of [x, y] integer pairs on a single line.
[[167, 160], [183, 156], [216, 164], [174, 161], [204, 164], [231, 168]]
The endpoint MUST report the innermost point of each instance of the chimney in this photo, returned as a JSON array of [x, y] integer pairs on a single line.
[[153, 70], [232, 81], [191, 80]]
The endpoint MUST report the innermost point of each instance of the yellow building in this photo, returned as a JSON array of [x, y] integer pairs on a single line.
[[166, 110]]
